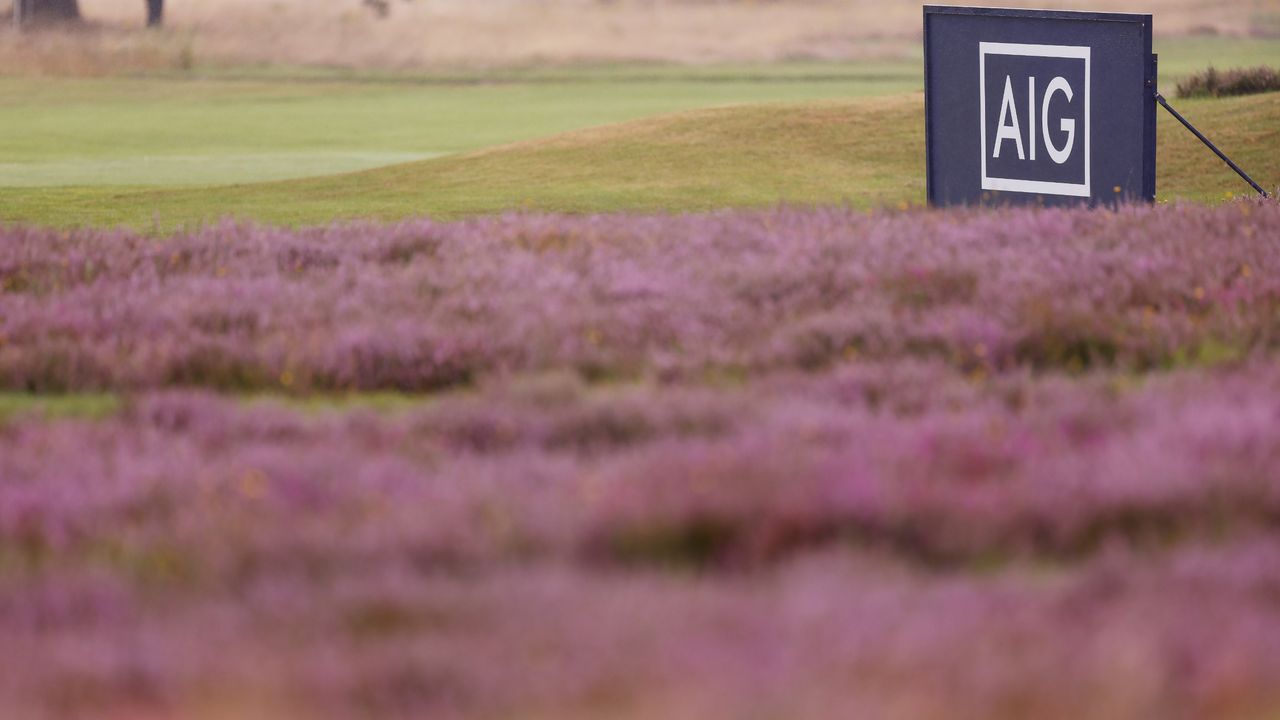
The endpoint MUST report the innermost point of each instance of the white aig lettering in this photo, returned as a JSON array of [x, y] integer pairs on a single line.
[[1007, 127]]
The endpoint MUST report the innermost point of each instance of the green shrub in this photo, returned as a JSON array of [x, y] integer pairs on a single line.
[[1241, 81]]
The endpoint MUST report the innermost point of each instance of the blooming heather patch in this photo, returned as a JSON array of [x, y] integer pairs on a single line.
[[782, 464], [883, 539], [422, 306]]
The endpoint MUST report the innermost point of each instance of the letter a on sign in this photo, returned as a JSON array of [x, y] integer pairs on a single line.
[[1045, 107], [1008, 132]]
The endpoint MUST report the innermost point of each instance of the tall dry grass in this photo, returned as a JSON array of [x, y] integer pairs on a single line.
[[424, 33]]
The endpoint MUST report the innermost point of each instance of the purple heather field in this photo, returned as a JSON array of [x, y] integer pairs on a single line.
[[767, 464]]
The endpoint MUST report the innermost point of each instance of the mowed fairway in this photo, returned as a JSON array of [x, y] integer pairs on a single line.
[[166, 153], [244, 128], [864, 153]]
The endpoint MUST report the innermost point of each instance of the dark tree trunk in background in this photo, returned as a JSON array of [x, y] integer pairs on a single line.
[[155, 12], [43, 12]]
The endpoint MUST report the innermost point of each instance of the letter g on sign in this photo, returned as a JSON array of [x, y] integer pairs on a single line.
[[1067, 125]]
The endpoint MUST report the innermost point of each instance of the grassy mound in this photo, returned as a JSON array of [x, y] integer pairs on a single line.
[[867, 153]]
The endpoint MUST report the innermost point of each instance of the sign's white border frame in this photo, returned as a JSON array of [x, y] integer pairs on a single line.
[[1080, 52]]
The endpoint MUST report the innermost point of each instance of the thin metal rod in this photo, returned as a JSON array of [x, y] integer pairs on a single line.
[[1165, 104]]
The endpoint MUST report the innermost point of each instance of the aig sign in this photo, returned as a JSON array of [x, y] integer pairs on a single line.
[[1038, 106], [1063, 103]]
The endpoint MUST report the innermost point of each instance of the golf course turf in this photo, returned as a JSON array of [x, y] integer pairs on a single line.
[[299, 147], [864, 153]]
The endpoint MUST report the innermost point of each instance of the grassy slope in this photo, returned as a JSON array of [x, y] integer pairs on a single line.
[[172, 131], [867, 153], [237, 125], [1247, 129], [78, 152]]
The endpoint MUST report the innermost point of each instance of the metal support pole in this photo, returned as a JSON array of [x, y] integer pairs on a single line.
[[17, 13], [1165, 104]]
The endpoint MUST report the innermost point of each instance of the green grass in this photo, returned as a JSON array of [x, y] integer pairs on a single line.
[[168, 132], [1180, 57], [81, 405], [865, 153], [96, 406], [280, 144], [245, 125]]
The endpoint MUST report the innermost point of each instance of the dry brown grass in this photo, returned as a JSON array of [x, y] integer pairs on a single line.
[[94, 49], [426, 33]]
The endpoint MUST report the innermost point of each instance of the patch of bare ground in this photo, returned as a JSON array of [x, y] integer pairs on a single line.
[[405, 34]]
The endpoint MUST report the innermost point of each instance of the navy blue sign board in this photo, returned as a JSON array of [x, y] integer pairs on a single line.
[[1038, 106]]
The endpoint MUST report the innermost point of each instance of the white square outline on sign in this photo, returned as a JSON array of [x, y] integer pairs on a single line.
[[1080, 52]]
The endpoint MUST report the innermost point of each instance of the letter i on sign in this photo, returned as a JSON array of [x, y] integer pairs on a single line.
[[1031, 114]]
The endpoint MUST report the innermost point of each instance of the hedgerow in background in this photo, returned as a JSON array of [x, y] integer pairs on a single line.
[[1243, 81]]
